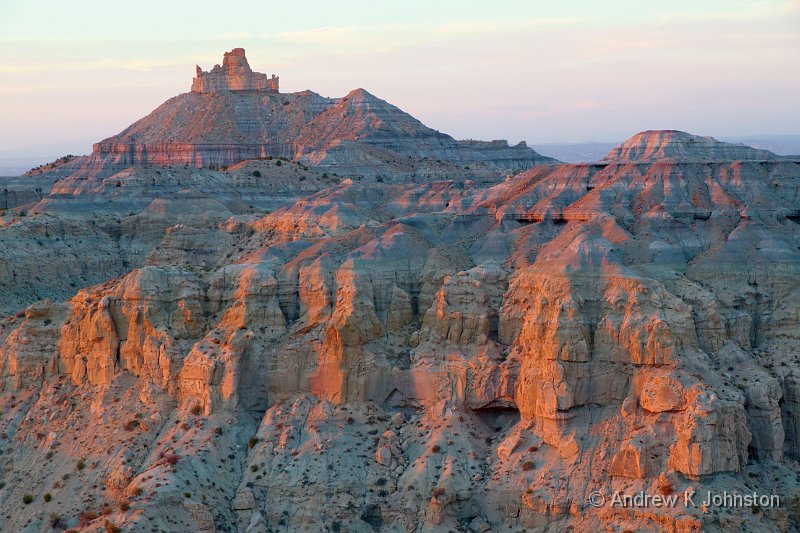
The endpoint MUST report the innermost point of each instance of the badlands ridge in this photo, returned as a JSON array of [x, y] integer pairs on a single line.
[[254, 311]]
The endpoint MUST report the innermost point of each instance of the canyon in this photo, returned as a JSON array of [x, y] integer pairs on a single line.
[[254, 311]]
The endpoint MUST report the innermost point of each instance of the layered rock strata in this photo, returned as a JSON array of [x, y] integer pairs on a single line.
[[233, 114]]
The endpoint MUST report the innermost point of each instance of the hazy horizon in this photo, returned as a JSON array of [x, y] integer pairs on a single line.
[[576, 72]]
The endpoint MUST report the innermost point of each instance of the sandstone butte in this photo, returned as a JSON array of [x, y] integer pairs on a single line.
[[254, 311]]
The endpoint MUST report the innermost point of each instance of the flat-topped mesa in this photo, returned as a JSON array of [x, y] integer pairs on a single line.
[[235, 74], [673, 145]]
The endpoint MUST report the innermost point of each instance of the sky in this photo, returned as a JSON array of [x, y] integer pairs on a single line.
[[75, 72]]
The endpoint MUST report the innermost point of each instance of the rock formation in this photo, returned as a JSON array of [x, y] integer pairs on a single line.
[[235, 74], [233, 114], [272, 348], [671, 145]]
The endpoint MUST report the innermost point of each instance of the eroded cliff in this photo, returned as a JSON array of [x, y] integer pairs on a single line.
[[398, 357]]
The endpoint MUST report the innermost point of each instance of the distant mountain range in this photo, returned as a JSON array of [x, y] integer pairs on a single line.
[[357, 135]]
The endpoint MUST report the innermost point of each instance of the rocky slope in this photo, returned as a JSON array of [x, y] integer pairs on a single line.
[[290, 351], [671, 145]]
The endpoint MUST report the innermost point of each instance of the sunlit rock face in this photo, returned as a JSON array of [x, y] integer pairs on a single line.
[[235, 74], [272, 348]]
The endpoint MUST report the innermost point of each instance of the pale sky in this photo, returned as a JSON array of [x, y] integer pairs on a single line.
[[73, 72]]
